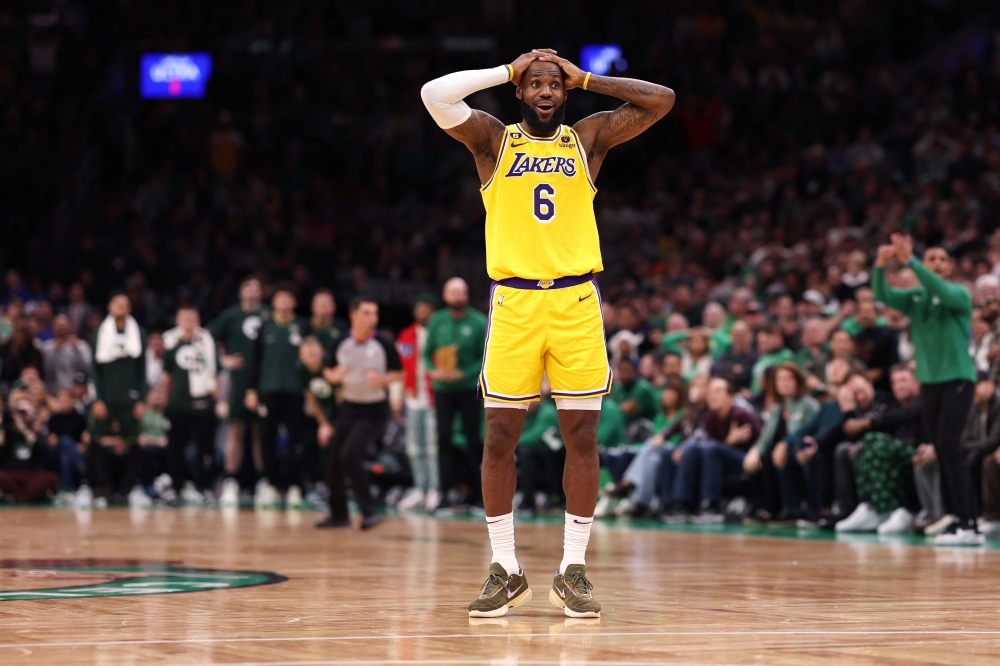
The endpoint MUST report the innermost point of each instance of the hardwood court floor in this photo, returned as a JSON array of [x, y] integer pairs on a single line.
[[397, 595]]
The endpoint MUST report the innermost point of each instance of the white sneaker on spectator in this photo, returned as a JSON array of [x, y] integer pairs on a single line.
[[625, 507], [230, 497], [940, 526], [84, 497], [412, 498], [191, 496], [266, 496], [605, 507], [989, 528], [900, 522], [863, 519], [956, 535], [100, 502], [138, 499], [432, 501], [293, 499], [164, 487], [63, 498]]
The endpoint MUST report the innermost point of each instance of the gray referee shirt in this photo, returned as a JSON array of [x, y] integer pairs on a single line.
[[377, 353]]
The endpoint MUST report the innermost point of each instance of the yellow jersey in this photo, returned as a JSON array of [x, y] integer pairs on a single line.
[[540, 208]]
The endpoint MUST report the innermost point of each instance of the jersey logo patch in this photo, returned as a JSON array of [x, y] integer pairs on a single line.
[[545, 284], [523, 164], [515, 135]]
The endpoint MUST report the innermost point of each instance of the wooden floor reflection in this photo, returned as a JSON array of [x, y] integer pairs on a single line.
[[397, 595]]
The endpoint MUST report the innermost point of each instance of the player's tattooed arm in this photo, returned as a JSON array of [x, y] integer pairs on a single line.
[[479, 131], [646, 103]]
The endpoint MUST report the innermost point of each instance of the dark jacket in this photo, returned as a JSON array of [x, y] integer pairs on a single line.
[[904, 423], [982, 427], [736, 366]]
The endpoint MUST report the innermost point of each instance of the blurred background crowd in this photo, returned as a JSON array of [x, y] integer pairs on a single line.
[[739, 234]]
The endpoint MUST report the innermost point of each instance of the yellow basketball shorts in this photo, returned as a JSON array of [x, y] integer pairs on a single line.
[[538, 327]]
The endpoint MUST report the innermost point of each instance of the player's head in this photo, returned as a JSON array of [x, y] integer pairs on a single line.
[[323, 304], [284, 300], [119, 306], [250, 290], [188, 319], [542, 94], [311, 353], [938, 260], [456, 293]]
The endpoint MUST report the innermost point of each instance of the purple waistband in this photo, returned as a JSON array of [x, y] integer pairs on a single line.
[[558, 283]]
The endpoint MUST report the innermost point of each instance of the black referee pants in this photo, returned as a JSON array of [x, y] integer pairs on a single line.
[[359, 429], [946, 406]]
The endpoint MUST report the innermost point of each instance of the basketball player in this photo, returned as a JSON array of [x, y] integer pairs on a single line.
[[542, 251]]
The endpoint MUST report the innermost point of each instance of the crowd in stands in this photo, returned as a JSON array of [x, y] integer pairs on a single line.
[[752, 358]]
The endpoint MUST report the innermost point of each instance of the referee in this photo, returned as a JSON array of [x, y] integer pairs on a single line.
[[365, 363], [940, 313]]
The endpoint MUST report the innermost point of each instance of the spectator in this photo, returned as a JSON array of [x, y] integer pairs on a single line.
[[421, 425], [236, 331], [18, 353], [636, 399], [884, 460], [791, 408], [705, 459], [64, 356], [155, 353], [981, 434], [67, 441], [324, 324], [772, 351], [119, 371], [940, 313], [190, 367], [738, 360], [454, 356], [321, 407], [274, 384], [875, 344]]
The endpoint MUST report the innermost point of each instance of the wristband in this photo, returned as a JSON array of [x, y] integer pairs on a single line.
[[912, 260], [586, 80], [510, 73]]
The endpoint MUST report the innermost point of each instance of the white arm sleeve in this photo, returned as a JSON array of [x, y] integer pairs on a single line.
[[443, 97]]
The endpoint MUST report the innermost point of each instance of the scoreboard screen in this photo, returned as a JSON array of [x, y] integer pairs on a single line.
[[174, 75]]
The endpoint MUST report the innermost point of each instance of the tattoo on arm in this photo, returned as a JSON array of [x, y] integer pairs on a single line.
[[629, 118]]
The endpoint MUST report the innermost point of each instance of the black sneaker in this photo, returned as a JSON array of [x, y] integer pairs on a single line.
[[675, 514], [500, 592], [369, 522], [961, 533], [330, 522], [709, 513]]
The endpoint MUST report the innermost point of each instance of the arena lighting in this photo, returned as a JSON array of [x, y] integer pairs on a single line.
[[174, 75], [599, 58]]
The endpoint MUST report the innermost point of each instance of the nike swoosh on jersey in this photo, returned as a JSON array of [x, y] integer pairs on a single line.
[[583, 298], [515, 145]]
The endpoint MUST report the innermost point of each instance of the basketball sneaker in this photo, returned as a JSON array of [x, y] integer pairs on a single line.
[[230, 498], [573, 593], [500, 592]]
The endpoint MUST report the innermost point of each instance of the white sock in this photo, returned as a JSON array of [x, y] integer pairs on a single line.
[[502, 539], [576, 536]]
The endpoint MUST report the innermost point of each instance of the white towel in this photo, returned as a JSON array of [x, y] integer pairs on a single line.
[[202, 371], [113, 344]]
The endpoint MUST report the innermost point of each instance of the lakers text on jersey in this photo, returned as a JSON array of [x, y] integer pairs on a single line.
[[540, 208]]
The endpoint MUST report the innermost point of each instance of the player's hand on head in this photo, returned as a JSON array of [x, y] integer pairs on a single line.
[[574, 75], [521, 63]]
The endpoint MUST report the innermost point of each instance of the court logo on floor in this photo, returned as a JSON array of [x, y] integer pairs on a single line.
[[27, 580]]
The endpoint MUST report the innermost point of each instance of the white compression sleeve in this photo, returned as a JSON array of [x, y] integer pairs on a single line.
[[443, 97]]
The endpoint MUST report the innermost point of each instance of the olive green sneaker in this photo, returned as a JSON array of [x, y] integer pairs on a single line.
[[573, 593], [500, 592]]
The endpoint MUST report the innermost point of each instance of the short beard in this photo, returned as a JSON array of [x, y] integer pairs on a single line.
[[544, 128]]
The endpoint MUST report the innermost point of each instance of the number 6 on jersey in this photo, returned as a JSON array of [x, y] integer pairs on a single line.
[[545, 207]]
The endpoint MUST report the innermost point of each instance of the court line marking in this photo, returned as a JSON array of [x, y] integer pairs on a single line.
[[519, 662], [383, 637]]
